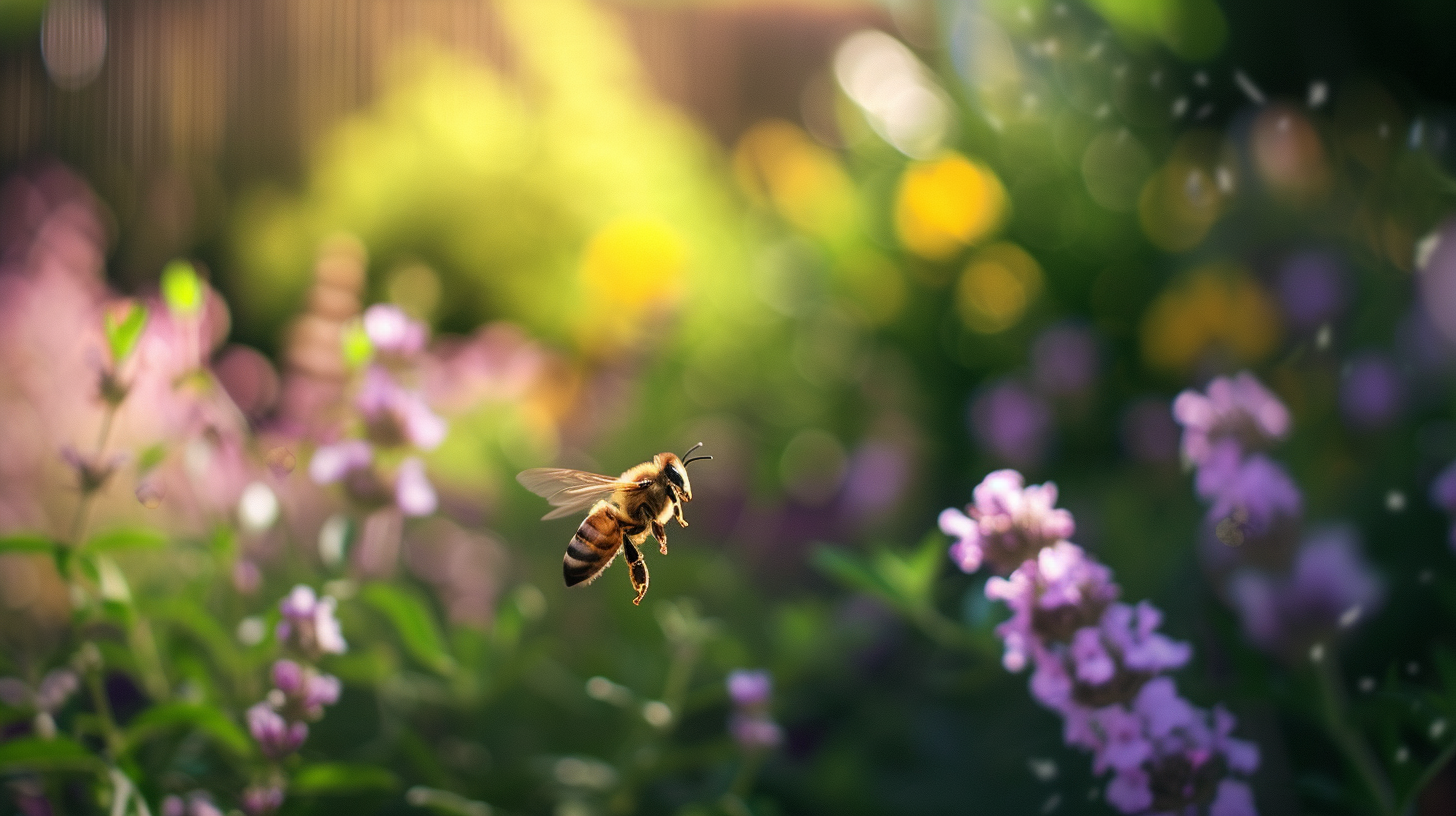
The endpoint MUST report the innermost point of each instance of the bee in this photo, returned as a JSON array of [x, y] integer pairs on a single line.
[[621, 512]]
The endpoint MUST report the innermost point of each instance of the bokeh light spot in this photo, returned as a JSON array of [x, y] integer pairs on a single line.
[[947, 204], [996, 288]]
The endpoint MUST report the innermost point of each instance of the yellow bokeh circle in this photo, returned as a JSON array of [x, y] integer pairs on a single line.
[[947, 204], [997, 287]]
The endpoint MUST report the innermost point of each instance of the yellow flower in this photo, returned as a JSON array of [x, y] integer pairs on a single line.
[[947, 204], [631, 267]]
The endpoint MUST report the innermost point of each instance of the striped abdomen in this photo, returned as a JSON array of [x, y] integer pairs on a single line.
[[594, 546]]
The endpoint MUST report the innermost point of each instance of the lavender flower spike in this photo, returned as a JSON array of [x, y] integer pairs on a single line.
[[311, 619], [275, 736], [1007, 524], [1098, 663], [1237, 408]]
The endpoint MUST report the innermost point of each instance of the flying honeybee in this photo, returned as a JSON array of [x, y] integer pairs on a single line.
[[622, 511]]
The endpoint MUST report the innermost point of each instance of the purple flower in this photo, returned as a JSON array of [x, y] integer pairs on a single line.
[[1100, 664], [1012, 423], [259, 800], [1371, 393], [275, 736], [332, 463], [749, 688], [1133, 632], [311, 619], [412, 489], [1330, 587], [55, 688], [1064, 360], [395, 416], [1252, 500], [1007, 523], [391, 331], [1311, 288], [306, 691], [1238, 408], [750, 723], [1443, 489]]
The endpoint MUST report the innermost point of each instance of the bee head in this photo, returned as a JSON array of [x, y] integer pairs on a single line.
[[675, 470]]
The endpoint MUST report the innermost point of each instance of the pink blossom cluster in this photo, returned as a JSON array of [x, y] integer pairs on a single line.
[[1100, 664], [392, 417], [279, 723]]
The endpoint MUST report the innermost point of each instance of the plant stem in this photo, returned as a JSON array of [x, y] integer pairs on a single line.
[[1349, 740], [1409, 802], [83, 509], [114, 742]]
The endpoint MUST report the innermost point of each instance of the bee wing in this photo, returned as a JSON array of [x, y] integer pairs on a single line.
[[570, 491]]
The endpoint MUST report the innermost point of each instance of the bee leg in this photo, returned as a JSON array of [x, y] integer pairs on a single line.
[[638, 569], [659, 532], [677, 513]]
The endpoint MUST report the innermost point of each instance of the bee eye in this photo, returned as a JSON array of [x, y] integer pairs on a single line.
[[676, 477]]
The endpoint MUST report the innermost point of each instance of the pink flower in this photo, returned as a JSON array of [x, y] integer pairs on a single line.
[[412, 489], [1007, 523], [391, 331]]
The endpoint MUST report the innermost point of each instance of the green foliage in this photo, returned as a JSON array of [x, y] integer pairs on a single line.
[[123, 333], [38, 754], [413, 622], [204, 719], [324, 778]]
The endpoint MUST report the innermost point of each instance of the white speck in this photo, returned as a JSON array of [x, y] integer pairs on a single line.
[[1412, 668], [333, 536], [1051, 803], [1366, 684], [1417, 132], [1201, 79], [1248, 87], [1060, 9], [1402, 755], [1426, 576], [1438, 728], [251, 630], [1096, 50], [1180, 107], [1103, 111], [1156, 79], [1349, 616], [1045, 770], [657, 714], [1319, 92], [1395, 501], [276, 698], [1120, 71], [1425, 248], [1029, 101], [1317, 653], [1024, 13], [1324, 337], [258, 507]]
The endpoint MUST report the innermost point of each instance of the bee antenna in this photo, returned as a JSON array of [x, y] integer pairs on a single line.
[[686, 456]]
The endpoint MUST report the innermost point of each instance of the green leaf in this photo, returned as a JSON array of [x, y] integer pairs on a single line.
[[182, 288], [27, 542], [122, 335], [414, 623], [204, 718], [126, 539], [850, 571], [342, 777], [34, 753], [151, 457]]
